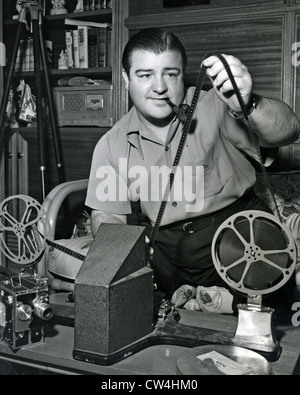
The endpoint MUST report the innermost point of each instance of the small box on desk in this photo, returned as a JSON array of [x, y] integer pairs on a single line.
[[113, 295]]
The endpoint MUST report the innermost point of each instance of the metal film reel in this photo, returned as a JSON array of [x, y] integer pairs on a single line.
[[254, 252], [20, 241]]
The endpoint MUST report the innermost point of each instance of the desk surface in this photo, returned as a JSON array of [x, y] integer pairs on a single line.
[[55, 353]]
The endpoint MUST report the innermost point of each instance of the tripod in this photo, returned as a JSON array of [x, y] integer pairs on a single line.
[[34, 8]]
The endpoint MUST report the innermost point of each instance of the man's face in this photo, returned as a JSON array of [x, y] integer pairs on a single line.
[[154, 78]]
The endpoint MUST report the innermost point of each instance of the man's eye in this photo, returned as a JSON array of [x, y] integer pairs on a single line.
[[144, 76], [171, 75]]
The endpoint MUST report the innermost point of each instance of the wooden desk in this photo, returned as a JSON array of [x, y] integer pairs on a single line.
[[55, 353]]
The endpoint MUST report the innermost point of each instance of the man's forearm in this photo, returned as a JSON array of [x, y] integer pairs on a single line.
[[274, 122]]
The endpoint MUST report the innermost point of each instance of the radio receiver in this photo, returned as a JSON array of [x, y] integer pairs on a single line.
[[84, 105]]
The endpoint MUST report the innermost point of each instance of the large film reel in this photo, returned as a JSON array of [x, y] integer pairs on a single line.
[[254, 252], [20, 241]]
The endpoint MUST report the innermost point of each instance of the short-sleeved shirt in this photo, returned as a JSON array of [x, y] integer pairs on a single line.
[[130, 164]]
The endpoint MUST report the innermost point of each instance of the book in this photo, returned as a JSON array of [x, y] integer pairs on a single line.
[[77, 22], [75, 48], [97, 4], [20, 56], [106, 3], [109, 47], [29, 54], [49, 52], [69, 46], [91, 5], [83, 47], [102, 38], [104, 45], [86, 5], [93, 46], [25, 56]]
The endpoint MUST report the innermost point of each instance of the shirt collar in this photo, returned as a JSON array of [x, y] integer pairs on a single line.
[[133, 131], [136, 131]]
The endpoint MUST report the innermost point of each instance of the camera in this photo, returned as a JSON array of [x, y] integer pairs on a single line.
[[24, 308]]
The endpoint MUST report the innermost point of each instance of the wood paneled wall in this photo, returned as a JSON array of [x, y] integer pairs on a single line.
[[144, 7], [261, 33]]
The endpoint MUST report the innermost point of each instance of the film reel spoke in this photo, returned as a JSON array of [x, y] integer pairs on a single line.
[[277, 266], [234, 264], [7, 218], [237, 233], [6, 251], [6, 229], [30, 216], [240, 283], [252, 231]]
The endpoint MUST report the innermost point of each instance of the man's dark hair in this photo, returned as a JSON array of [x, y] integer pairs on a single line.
[[153, 40]]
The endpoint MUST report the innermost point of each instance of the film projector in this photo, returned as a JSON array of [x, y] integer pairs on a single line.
[[253, 252]]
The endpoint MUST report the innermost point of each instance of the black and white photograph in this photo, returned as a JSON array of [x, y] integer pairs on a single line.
[[149, 190]]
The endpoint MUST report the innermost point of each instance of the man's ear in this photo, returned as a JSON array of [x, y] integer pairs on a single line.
[[126, 79]]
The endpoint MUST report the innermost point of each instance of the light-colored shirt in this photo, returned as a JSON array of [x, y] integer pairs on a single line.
[[129, 164]]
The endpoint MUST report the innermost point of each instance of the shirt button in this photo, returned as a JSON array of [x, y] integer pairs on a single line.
[[174, 204], [167, 148]]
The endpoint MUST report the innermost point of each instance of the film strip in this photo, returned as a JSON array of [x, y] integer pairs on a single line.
[[185, 114]]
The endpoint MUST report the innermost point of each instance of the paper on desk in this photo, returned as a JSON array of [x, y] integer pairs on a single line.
[[224, 364]]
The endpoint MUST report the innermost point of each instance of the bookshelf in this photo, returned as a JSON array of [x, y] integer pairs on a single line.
[[77, 143]]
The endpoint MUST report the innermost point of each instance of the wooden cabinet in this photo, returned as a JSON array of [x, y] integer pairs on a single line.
[[260, 32]]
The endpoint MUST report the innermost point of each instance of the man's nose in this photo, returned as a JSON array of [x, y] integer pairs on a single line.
[[159, 85]]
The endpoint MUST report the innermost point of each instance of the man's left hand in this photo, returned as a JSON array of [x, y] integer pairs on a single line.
[[221, 81]]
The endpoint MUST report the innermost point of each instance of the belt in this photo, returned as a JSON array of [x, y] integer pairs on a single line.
[[201, 222]]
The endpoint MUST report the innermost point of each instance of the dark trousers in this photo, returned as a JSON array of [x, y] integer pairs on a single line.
[[182, 250]]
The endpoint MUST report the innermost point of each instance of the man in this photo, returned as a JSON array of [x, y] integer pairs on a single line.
[[214, 178]]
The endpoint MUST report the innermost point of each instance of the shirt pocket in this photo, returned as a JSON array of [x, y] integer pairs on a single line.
[[213, 184], [216, 174]]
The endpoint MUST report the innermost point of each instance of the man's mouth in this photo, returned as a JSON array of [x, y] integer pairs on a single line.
[[162, 99], [161, 102]]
